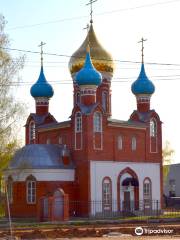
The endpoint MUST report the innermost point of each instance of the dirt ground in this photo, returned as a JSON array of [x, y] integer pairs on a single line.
[[92, 232], [128, 238]]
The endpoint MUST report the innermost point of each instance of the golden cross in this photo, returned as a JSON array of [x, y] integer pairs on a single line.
[[91, 11], [142, 48], [41, 45]]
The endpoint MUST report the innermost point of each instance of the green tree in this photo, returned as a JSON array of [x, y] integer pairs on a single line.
[[11, 111]]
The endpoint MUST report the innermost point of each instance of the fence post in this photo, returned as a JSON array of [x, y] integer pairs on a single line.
[[157, 208]]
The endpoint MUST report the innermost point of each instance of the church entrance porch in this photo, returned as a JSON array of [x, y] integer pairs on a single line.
[[55, 207], [128, 188]]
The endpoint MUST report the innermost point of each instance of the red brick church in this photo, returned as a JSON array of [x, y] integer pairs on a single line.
[[91, 164]]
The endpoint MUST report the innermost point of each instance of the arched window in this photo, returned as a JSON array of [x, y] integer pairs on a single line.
[[133, 143], [120, 143], [78, 97], [104, 100], [78, 122], [97, 119], [32, 131], [147, 188], [106, 193], [10, 189], [31, 189], [153, 128], [60, 140]]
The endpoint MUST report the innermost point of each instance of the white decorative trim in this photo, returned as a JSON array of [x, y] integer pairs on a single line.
[[143, 98], [87, 92], [42, 101], [42, 174]]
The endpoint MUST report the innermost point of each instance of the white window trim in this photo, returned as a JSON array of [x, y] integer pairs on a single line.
[[31, 182], [154, 136], [120, 142], [78, 122], [107, 196], [147, 189], [97, 125], [32, 132], [133, 143], [100, 131], [105, 100], [60, 140], [153, 123], [79, 131]]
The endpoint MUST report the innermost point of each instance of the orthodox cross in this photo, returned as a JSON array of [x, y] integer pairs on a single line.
[[41, 45], [142, 48], [91, 11]]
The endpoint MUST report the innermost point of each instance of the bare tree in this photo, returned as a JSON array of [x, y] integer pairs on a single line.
[[11, 111]]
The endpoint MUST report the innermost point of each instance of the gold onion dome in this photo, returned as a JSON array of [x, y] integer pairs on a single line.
[[101, 59]]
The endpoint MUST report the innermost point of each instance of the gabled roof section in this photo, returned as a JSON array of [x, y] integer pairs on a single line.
[[144, 117], [87, 109], [129, 123], [54, 125], [40, 119]]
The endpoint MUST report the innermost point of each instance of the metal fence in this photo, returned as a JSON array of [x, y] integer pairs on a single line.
[[112, 210]]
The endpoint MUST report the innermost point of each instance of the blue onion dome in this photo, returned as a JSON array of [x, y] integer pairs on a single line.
[[88, 75], [142, 85], [42, 88]]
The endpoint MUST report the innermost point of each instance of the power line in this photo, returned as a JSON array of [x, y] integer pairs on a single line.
[[49, 22], [98, 14], [68, 56], [115, 80], [138, 7], [117, 69]]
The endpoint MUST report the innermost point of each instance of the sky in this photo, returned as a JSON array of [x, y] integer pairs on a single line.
[[119, 26]]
